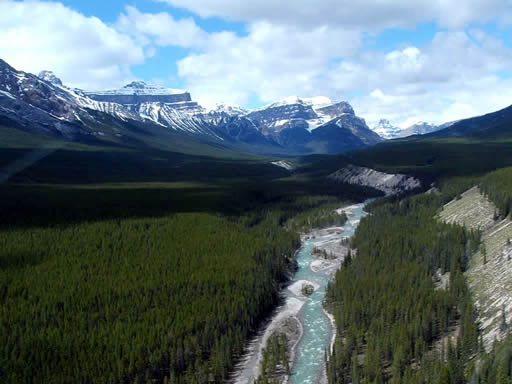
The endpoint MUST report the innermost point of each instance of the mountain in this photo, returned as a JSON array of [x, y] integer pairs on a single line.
[[343, 134], [230, 109], [50, 77], [495, 124], [386, 130], [313, 125], [138, 92], [43, 104], [420, 128]]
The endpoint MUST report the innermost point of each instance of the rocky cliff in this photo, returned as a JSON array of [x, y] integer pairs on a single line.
[[490, 270], [385, 182]]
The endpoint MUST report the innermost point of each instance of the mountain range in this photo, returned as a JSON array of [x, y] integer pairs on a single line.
[[43, 104], [388, 131]]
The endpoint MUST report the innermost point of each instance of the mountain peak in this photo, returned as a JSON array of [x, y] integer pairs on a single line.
[[5, 66], [138, 85], [385, 129], [230, 109], [315, 102], [50, 77]]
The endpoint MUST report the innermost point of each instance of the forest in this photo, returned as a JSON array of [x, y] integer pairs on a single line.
[[163, 281], [397, 322], [497, 186], [170, 299]]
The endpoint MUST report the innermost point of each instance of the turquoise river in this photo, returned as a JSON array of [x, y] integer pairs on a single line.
[[308, 367]]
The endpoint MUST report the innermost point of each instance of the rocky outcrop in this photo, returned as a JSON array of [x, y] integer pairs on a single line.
[[337, 109], [138, 92], [489, 274], [385, 182], [50, 77]]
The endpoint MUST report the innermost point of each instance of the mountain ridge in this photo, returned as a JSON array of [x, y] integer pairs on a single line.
[[293, 125]]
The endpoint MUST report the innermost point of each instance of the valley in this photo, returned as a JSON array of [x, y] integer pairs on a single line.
[[288, 243]]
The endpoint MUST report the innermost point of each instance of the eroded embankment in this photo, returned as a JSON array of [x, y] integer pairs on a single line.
[[490, 272], [385, 182]]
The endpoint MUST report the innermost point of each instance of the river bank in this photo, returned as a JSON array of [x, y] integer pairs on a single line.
[[309, 328]]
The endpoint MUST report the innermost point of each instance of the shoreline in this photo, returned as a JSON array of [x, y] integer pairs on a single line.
[[285, 318]]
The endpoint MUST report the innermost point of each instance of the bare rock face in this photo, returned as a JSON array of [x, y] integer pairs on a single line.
[[489, 275], [337, 109], [385, 182], [138, 92], [50, 77]]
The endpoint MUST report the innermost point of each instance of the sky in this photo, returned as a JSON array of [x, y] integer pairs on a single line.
[[400, 60]]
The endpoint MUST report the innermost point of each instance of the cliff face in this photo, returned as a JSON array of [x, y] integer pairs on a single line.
[[140, 98], [139, 92], [490, 270], [385, 182]]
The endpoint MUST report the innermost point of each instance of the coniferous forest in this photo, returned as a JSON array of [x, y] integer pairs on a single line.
[[138, 284], [170, 299], [397, 323]]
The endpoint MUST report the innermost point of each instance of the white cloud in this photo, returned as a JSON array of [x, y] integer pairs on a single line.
[[367, 14], [161, 29], [453, 77], [299, 47], [271, 62], [83, 51]]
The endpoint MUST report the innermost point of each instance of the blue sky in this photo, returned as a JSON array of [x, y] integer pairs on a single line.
[[402, 60]]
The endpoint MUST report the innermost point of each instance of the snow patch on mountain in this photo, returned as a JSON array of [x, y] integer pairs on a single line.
[[138, 88], [386, 130], [50, 77], [315, 102], [230, 109]]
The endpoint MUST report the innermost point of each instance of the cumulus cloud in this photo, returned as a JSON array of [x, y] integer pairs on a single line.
[[290, 48], [271, 62], [453, 77], [83, 51], [161, 29], [367, 14], [310, 48]]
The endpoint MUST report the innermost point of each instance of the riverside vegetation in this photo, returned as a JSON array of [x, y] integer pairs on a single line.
[[394, 324], [146, 282], [162, 276]]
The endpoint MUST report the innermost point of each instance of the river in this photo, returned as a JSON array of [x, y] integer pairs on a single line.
[[316, 332]]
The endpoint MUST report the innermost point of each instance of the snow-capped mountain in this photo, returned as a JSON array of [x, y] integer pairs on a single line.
[[50, 77], [137, 92], [43, 104], [293, 121], [294, 111], [420, 128], [386, 130], [230, 109]]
